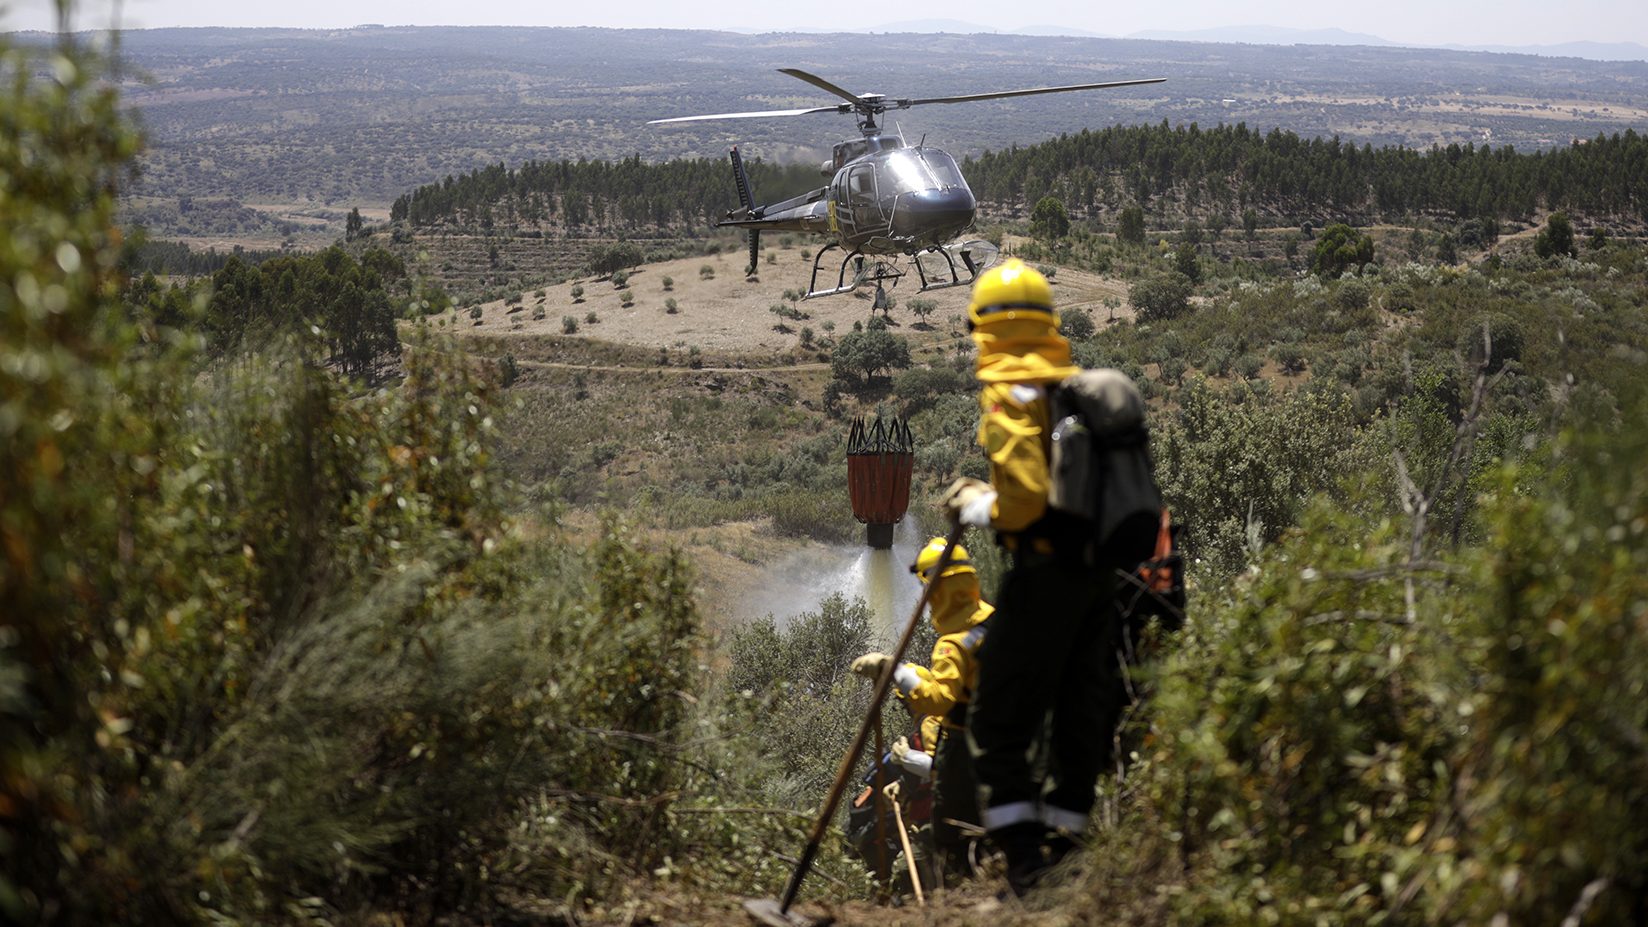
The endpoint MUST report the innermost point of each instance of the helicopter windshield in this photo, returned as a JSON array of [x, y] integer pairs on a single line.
[[923, 169]]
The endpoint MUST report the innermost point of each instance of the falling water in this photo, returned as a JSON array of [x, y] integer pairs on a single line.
[[798, 582]]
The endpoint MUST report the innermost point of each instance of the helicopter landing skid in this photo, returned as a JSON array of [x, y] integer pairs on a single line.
[[876, 273], [955, 278]]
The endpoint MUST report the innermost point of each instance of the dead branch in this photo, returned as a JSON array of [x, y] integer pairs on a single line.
[[1587, 897], [768, 811], [1377, 617], [652, 801], [1396, 569]]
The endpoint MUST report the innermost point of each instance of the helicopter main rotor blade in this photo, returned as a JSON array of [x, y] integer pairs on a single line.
[[1002, 94], [821, 84], [770, 112]]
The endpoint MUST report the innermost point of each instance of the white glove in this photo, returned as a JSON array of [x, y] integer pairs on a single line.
[[871, 664], [913, 761], [906, 679], [969, 502]]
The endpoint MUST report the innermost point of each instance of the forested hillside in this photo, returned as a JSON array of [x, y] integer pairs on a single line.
[[1172, 172], [628, 195], [1230, 168]]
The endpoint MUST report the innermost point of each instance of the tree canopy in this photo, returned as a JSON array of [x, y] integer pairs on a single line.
[[1341, 248]]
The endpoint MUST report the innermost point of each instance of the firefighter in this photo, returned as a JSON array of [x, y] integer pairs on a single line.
[[1049, 665], [907, 764], [942, 691]]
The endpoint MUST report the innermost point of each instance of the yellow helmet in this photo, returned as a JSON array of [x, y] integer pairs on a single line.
[[960, 562], [1012, 290]]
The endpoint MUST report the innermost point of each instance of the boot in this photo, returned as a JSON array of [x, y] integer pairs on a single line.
[[1026, 863], [957, 868], [1061, 843]]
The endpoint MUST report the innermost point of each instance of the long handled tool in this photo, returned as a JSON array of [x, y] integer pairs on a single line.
[[904, 839], [776, 912]]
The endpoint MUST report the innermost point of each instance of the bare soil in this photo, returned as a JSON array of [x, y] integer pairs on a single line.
[[727, 313]]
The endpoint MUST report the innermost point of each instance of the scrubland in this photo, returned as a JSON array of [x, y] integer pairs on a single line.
[[426, 643]]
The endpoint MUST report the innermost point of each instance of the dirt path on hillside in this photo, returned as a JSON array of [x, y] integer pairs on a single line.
[[628, 368]]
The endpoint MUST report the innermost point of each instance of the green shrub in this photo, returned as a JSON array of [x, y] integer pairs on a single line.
[[1238, 457], [919, 388], [1351, 733], [613, 258], [1353, 294], [569, 325], [1290, 357], [1076, 324], [1161, 296]]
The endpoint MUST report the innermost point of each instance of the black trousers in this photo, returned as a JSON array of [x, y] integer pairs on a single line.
[[955, 794], [1049, 666]]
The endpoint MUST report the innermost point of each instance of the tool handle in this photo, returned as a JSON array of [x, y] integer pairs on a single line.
[[904, 838], [878, 695]]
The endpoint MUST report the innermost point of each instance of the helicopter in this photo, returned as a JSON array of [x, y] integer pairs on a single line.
[[885, 198]]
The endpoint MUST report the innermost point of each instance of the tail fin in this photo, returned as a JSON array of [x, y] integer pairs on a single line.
[[746, 199], [746, 196]]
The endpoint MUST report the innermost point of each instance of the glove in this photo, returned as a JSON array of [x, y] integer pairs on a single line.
[[912, 760], [901, 749], [871, 664], [969, 501]]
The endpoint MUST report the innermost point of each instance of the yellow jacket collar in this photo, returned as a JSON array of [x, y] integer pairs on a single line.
[[1022, 352], [956, 606]]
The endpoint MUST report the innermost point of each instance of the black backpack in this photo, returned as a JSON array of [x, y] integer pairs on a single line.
[[1100, 471]]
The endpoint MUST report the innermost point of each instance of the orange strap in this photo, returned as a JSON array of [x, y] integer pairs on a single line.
[[1157, 574]]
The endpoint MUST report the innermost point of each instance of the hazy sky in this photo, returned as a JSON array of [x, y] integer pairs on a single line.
[[1419, 22]]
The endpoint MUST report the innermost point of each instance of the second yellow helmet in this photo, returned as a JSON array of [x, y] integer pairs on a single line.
[[960, 561]]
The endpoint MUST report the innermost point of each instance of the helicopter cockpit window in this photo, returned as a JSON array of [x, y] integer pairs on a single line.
[[943, 167], [862, 182], [923, 169]]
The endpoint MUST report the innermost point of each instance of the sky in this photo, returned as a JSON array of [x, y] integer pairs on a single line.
[[1415, 22]]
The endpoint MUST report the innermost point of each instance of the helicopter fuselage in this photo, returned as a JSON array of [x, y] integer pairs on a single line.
[[884, 198]]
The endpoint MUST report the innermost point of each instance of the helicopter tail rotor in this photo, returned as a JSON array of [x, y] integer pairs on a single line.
[[746, 199]]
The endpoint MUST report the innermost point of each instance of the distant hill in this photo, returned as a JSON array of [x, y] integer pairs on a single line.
[[1594, 51], [312, 122], [1264, 35], [1258, 35]]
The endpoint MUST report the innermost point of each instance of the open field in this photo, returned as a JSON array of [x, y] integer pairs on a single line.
[[730, 315]]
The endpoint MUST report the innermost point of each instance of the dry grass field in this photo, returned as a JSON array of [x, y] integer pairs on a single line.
[[725, 314]]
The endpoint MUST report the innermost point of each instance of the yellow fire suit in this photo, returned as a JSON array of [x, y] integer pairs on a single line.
[[1051, 651], [937, 689], [942, 692]]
